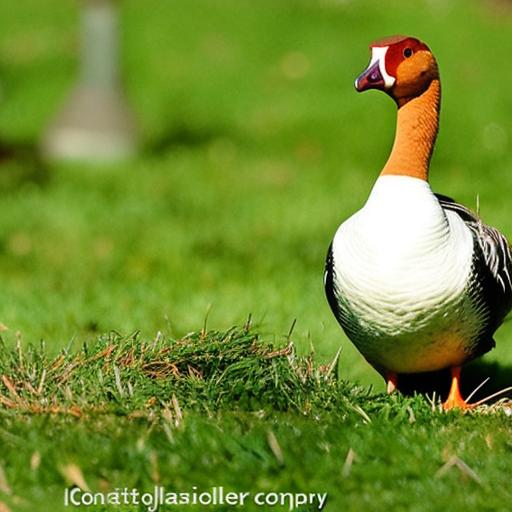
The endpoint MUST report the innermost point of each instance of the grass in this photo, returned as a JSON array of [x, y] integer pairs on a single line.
[[254, 148], [226, 409], [207, 370]]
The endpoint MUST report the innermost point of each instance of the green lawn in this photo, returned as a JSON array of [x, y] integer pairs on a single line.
[[224, 409], [255, 148]]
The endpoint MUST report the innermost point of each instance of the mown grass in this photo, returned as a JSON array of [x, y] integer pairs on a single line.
[[254, 148], [227, 409]]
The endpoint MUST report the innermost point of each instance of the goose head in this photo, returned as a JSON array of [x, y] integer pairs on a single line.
[[401, 66]]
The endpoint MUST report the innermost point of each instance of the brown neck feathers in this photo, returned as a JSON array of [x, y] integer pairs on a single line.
[[416, 131]]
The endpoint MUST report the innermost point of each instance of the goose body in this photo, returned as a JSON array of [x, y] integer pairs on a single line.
[[407, 280], [417, 281]]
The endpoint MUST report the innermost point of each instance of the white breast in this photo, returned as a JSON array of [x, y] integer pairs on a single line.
[[401, 266]]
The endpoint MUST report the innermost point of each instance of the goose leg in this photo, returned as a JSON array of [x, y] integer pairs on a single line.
[[455, 400], [392, 382]]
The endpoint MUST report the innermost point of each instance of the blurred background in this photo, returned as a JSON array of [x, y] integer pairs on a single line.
[[241, 146]]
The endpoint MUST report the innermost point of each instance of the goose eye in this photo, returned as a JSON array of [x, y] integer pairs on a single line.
[[407, 53]]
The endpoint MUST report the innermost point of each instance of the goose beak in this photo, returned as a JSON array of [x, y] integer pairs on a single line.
[[370, 78], [375, 75]]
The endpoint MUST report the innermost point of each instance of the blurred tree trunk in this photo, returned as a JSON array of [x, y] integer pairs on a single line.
[[95, 123]]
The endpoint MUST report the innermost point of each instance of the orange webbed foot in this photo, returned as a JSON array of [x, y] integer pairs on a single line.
[[455, 400]]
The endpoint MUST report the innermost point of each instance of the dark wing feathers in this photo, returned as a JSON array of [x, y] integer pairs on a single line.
[[493, 260], [329, 285]]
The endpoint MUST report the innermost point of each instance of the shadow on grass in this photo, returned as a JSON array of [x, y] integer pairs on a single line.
[[184, 134], [20, 163], [472, 376]]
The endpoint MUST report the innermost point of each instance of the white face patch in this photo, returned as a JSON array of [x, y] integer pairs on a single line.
[[379, 54]]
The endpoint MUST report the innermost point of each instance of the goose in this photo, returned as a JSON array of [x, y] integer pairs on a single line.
[[417, 281]]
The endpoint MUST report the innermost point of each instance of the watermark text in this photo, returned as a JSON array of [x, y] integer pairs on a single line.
[[76, 497]]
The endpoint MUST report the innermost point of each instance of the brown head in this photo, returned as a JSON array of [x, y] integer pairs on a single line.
[[401, 66]]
